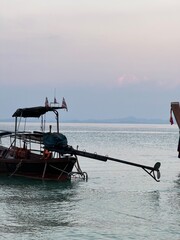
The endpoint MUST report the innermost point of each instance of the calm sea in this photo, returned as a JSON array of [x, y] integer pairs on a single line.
[[117, 202]]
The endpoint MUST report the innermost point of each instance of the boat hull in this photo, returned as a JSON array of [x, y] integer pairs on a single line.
[[38, 168]]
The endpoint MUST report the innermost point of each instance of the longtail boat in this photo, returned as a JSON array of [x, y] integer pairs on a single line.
[[46, 155]]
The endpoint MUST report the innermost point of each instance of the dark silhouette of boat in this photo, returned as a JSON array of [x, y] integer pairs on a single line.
[[44, 154], [175, 109]]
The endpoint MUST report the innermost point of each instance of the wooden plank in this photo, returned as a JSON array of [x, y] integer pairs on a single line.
[[176, 111]]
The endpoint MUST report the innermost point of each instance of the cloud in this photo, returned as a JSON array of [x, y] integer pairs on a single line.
[[126, 79], [166, 81], [169, 83]]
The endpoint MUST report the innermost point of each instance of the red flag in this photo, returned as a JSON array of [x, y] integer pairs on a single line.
[[171, 118], [46, 102], [64, 105], [55, 101]]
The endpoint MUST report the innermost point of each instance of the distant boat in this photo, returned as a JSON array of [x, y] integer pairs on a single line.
[[46, 155]]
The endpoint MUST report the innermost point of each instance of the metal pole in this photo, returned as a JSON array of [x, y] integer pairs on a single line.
[[15, 131]]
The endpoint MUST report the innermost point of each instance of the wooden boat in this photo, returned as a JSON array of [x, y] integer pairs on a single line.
[[27, 156], [44, 154]]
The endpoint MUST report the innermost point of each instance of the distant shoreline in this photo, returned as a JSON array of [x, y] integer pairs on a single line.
[[130, 120]]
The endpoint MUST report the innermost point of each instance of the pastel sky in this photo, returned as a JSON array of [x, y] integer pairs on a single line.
[[108, 58]]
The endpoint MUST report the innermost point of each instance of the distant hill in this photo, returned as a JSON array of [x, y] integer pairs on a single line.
[[129, 120], [6, 120]]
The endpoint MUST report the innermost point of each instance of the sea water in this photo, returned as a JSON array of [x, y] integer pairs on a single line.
[[117, 202]]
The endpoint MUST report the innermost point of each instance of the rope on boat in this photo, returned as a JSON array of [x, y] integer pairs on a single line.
[[79, 172], [83, 175], [17, 167], [62, 171], [44, 171], [6, 151]]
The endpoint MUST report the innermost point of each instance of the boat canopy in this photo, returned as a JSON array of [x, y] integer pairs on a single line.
[[34, 112]]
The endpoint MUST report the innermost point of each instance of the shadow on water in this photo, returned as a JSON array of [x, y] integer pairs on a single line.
[[177, 181], [177, 188], [32, 205], [20, 181]]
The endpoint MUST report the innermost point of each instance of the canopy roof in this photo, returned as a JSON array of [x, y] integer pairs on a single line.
[[35, 112]]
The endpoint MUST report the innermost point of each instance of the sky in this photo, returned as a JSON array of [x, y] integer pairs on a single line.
[[108, 58]]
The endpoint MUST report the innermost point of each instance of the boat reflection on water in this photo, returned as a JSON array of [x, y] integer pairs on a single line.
[[31, 204]]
